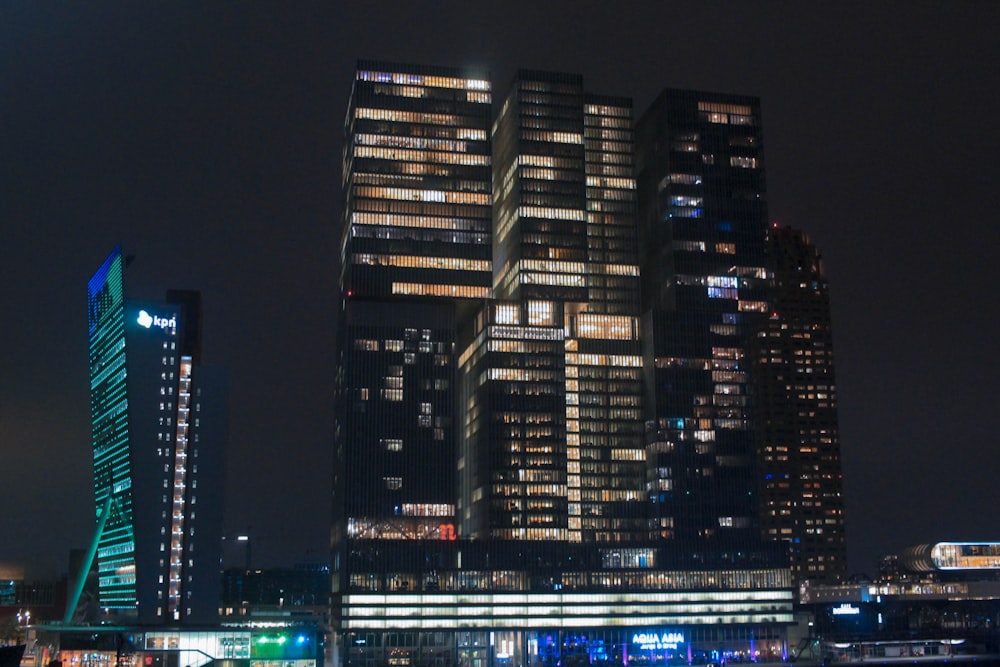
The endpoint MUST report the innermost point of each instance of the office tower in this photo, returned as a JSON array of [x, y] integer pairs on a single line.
[[703, 223], [416, 253], [796, 406], [534, 547], [553, 445], [157, 436]]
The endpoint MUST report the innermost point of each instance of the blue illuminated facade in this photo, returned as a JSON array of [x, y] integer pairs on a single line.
[[157, 438]]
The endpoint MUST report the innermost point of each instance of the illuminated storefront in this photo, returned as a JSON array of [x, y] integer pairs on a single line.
[[277, 645]]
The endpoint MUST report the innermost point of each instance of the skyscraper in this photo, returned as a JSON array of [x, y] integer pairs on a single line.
[[795, 387], [703, 223], [554, 447], [157, 437], [493, 484], [416, 252]]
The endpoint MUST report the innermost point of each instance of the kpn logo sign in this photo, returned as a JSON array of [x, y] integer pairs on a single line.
[[147, 321]]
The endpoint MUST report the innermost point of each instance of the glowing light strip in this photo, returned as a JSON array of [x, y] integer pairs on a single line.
[[423, 80], [555, 622], [423, 262], [176, 570], [645, 597]]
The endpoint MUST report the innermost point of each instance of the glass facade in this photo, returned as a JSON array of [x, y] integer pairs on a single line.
[[526, 602], [566, 258], [417, 184], [799, 449], [147, 424], [703, 223], [109, 416], [542, 457], [416, 254], [263, 644]]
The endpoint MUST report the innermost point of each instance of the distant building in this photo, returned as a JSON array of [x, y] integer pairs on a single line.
[[275, 590], [158, 435], [801, 484], [29, 601], [936, 600]]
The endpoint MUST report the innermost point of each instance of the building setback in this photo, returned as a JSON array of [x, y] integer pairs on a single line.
[[158, 437]]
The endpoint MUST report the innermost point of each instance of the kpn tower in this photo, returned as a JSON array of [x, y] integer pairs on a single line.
[[157, 432]]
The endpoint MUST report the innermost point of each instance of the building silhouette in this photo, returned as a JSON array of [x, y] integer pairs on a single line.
[[703, 216], [796, 391], [157, 434]]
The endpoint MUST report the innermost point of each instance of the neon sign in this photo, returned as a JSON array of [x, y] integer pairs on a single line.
[[648, 641], [146, 321], [846, 609]]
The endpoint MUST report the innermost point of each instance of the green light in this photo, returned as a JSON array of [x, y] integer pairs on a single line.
[[110, 427], [280, 639]]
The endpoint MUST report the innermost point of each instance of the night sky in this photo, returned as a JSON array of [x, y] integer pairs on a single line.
[[206, 139]]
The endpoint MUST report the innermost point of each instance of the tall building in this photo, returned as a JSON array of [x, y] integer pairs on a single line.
[[157, 434], [703, 222], [493, 484], [801, 495], [416, 252], [553, 448]]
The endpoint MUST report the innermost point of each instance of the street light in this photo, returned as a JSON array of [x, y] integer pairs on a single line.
[[24, 615]]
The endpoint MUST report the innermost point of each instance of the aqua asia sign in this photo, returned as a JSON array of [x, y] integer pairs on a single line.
[[651, 641]]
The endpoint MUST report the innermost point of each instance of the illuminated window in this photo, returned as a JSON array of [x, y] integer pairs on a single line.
[[743, 162], [507, 314], [541, 313], [453, 291]]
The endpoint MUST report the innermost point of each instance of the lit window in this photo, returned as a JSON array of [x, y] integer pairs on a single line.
[[507, 314], [743, 162]]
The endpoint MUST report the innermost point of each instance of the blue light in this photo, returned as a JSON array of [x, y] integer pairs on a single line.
[[301, 639]]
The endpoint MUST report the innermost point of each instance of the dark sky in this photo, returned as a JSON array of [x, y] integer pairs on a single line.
[[206, 138]]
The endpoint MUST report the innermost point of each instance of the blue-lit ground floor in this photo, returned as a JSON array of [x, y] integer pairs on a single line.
[[637, 646], [561, 629]]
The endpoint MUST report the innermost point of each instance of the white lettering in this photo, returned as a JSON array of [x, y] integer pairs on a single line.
[[146, 321], [846, 609], [652, 640], [165, 323]]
